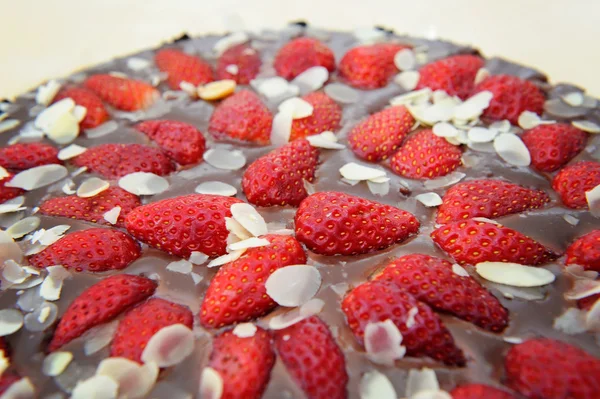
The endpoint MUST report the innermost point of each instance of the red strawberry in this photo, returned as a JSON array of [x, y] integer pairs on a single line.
[[181, 142], [244, 364], [7, 379], [93, 208], [426, 156], [585, 251], [455, 75], [472, 242], [377, 301], [277, 178], [572, 182], [96, 113], [479, 391], [313, 358], [181, 225], [512, 96], [242, 116], [99, 304], [22, 156], [93, 250], [543, 368], [432, 281], [117, 160], [237, 293], [334, 223], [553, 146], [7, 193], [488, 198], [370, 66], [182, 67], [380, 135], [142, 322], [246, 61], [326, 116], [301, 54], [122, 93]]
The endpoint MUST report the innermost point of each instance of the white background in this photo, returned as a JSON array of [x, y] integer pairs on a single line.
[[43, 39]]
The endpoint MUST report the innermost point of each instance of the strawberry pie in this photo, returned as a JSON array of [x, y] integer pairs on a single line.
[[301, 214]]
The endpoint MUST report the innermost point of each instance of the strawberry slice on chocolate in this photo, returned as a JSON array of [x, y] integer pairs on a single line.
[[240, 63], [552, 146], [96, 113], [479, 391], [585, 251], [181, 67], [301, 54], [122, 93], [573, 181], [370, 66], [23, 156], [455, 75], [182, 142], [326, 116]]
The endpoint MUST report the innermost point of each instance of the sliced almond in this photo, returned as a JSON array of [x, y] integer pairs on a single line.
[[92, 187], [383, 342], [293, 285], [169, 346], [514, 274], [375, 385], [217, 90]]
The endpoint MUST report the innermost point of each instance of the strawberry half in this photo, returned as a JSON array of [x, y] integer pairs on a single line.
[[479, 391], [455, 75], [246, 61], [572, 182], [301, 54], [121, 93], [117, 160], [7, 193], [432, 281], [543, 368], [426, 156], [335, 223], [237, 293], [512, 96], [585, 251], [99, 304], [23, 156], [91, 250], [92, 209], [142, 322], [181, 225], [377, 301], [96, 113], [380, 135], [552, 146], [370, 66], [326, 116], [244, 364], [313, 358], [181, 141], [488, 198], [472, 242], [182, 67], [242, 116], [277, 178]]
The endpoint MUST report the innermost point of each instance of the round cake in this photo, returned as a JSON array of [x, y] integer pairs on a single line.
[[301, 214]]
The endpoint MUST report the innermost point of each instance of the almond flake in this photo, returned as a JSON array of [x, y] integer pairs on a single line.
[[482, 135], [284, 320], [79, 171], [459, 270], [253, 242], [412, 97], [513, 340], [481, 75], [47, 92], [236, 229], [592, 319], [474, 106], [52, 285], [11, 321], [227, 258], [55, 363], [281, 128], [22, 389], [12, 205], [410, 319], [354, 171], [528, 120], [244, 330], [593, 199], [341, 93], [249, 218], [181, 266], [99, 337], [312, 78], [512, 150], [429, 199], [211, 384], [444, 129], [101, 130], [225, 159], [444, 181], [79, 112], [405, 60], [421, 380], [232, 69], [135, 381], [275, 87], [92, 187], [196, 278], [216, 188], [383, 342], [231, 40], [571, 322], [587, 126], [217, 90], [579, 272], [326, 140], [71, 151], [514, 274], [169, 346], [297, 107], [369, 35], [198, 258], [378, 188], [97, 387], [375, 385], [293, 285], [144, 183], [8, 124], [13, 272], [583, 288], [41, 318], [137, 63], [37, 177], [50, 236], [574, 99], [3, 173], [502, 126], [408, 80], [112, 216]]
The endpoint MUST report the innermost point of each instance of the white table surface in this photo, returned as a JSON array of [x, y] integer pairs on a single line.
[[46, 39]]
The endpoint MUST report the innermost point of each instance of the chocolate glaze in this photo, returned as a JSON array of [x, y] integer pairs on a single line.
[[485, 351]]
